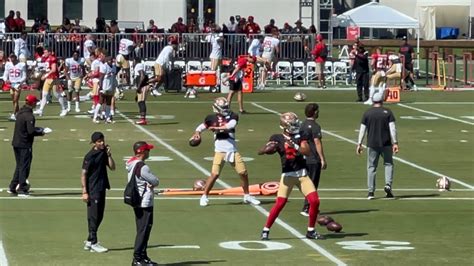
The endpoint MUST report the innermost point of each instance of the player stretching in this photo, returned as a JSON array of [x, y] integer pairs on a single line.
[[122, 61], [223, 123], [269, 56], [142, 83], [292, 148], [15, 74], [74, 72]]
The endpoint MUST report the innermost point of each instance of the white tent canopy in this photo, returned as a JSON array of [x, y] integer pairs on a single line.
[[375, 15], [435, 13]]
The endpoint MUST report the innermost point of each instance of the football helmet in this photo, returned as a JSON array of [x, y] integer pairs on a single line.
[[299, 97], [221, 106], [290, 123]]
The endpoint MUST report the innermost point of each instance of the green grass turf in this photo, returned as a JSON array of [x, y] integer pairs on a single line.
[[50, 229]]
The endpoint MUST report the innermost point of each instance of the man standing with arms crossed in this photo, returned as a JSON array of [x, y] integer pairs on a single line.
[[95, 181], [379, 122], [316, 160]]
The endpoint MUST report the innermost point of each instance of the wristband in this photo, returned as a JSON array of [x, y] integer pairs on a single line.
[[296, 146]]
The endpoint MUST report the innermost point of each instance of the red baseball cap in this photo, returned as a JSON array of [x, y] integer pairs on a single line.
[[319, 37], [31, 99], [242, 62], [141, 146]]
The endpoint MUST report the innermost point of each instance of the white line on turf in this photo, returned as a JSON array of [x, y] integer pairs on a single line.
[[3, 255], [436, 114], [195, 198], [394, 157], [293, 231]]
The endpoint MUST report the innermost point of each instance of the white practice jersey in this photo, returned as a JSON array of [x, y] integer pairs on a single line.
[[15, 73], [75, 67], [95, 66], [165, 56], [21, 48], [124, 46], [137, 68], [108, 83], [216, 43], [269, 46], [254, 48], [88, 44]]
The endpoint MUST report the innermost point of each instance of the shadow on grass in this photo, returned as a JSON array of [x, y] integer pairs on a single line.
[[344, 235], [262, 202], [34, 194], [418, 196], [348, 211], [193, 262]]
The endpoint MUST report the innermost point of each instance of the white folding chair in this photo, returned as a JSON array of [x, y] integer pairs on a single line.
[[180, 63], [299, 70], [328, 72], [193, 66], [283, 69], [340, 72], [206, 65], [310, 72]]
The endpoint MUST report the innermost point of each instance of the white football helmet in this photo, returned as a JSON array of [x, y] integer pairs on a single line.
[[290, 123], [221, 106], [443, 183]]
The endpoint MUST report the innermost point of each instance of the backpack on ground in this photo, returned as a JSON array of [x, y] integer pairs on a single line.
[[131, 195]]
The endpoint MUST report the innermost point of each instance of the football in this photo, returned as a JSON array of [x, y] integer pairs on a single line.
[[334, 227], [299, 97], [324, 220], [193, 142], [271, 148], [199, 185], [443, 183]]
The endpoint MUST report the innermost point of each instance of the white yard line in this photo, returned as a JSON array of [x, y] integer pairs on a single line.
[[195, 198], [435, 114], [289, 228], [394, 157], [3, 256]]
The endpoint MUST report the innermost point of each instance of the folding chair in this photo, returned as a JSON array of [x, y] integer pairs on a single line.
[[283, 69], [193, 66], [299, 70], [206, 65], [340, 72], [310, 72], [329, 72], [180, 63]]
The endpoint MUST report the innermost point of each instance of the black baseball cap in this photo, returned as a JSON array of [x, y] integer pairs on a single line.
[[141, 146], [96, 136]]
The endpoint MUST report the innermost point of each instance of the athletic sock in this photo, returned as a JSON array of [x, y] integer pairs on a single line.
[[142, 109], [96, 111], [275, 211], [313, 199]]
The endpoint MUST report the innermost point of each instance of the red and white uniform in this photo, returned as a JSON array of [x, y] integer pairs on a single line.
[[269, 46], [15, 74], [124, 46], [48, 62], [380, 61], [75, 67]]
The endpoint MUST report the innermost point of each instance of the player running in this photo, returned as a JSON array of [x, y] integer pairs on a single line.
[[15, 75], [292, 147], [74, 72], [223, 123]]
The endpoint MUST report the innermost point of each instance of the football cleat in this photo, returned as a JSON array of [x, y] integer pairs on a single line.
[[142, 122], [388, 191], [251, 199], [265, 235], [370, 196], [221, 106], [314, 235], [203, 201], [290, 123]]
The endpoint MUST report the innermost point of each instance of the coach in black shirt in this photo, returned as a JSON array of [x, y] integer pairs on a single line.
[[95, 181], [379, 123], [316, 160], [361, 67], [23, 137]]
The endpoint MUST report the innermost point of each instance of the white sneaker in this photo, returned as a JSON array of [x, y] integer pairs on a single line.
[[38, 112], [12, 117], [87, 245], [368, 102], [204, 201], [156, 93], [415, 88], [251, 199], [91, 111], [109, 121], [63, 113], [98, 248], [78, 110], [95, 121]]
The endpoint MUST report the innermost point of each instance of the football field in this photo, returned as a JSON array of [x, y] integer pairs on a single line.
[[421, 226]]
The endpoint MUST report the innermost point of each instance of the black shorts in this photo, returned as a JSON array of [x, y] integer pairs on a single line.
[[235, 85], [409, 67]]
